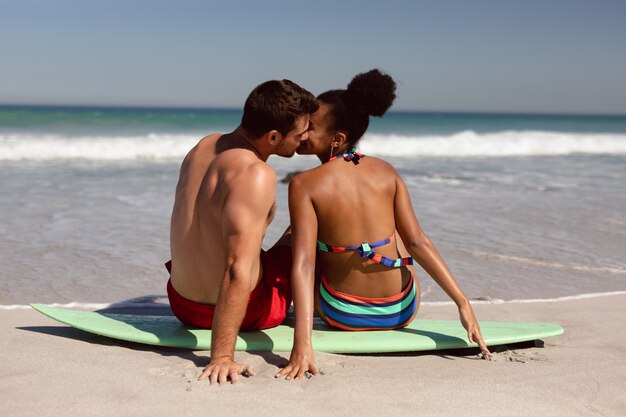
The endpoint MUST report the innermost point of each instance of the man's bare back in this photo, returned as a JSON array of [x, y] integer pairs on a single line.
[[214, 173], [225, 199]]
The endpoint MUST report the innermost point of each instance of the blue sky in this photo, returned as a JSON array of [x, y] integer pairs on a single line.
[[527, 56]]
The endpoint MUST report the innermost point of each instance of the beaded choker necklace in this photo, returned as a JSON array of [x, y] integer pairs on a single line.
[[351, 155]]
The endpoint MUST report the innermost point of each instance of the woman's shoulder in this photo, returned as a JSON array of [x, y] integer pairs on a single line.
[[380, 168], [370, 166], [303, 178], [380, 162]]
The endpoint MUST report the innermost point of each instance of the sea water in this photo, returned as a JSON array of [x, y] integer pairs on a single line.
[[520, 206]]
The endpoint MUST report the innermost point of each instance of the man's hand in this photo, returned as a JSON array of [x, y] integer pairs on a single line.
[[219, 371], [301, 361], [468, 320]]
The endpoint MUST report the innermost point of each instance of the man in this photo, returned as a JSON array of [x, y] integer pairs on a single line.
[[225, 199]]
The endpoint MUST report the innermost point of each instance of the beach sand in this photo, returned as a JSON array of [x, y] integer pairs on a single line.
[[48, 369]]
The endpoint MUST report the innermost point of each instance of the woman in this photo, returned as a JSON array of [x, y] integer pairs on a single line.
[[346, 212]]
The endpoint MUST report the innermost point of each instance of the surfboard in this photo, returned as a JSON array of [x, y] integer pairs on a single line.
[[420, 335]]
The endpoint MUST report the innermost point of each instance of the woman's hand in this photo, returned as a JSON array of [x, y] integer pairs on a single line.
[[301, 361], [468, 320]]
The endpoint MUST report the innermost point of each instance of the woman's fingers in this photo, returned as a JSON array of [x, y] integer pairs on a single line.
[[283, 371], [297, 371], [474, 336]]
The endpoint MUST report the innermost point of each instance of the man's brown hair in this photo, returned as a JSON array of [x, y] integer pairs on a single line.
[[275, 105]]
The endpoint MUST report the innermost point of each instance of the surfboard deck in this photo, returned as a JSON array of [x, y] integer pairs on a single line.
[[420, 335]]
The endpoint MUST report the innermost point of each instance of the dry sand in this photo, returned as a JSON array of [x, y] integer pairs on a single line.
[[47, 369]]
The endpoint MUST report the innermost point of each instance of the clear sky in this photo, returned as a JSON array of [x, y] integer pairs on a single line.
[[563, 56]]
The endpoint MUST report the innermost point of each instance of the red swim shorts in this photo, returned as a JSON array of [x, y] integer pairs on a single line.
[[268, 302]]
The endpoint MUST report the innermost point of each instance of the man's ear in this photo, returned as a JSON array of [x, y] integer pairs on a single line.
[[273, 137]]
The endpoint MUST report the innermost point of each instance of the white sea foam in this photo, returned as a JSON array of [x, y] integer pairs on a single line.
[[148, 301], [534, 300], [48, 147], [558, 265], [505, 143], [86, 306], [32, 147]]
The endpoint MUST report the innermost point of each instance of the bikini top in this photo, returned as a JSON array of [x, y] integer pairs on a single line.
[[365, 250]]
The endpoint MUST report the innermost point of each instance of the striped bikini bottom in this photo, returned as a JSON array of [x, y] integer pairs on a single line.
[[351, 312]]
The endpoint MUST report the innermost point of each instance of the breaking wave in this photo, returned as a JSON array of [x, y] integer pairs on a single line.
[[160, 146]]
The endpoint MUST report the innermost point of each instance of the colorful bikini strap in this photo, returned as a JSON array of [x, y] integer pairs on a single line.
[[351, 155], [366, 250]]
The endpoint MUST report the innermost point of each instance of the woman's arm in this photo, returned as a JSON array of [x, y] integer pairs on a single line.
[[304, 238], [426, 254]]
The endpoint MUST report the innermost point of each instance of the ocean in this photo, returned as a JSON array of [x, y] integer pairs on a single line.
[[522, 207]]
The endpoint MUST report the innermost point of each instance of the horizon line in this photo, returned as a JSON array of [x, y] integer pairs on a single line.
[[229, 108]]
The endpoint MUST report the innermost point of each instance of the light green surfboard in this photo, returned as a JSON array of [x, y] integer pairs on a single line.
[[419, 335]]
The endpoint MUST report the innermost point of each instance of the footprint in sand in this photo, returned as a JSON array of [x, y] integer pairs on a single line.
[[329, 367], [515, 356], [174, 371]]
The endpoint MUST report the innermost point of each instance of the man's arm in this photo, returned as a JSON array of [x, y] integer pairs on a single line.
[[244, 222]]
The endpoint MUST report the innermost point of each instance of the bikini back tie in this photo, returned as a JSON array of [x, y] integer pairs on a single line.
[[366, 250]]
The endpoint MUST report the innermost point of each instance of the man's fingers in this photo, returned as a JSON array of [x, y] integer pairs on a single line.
[[213, 377], [205, 374], [223, 372], [248, 371], [223, 378], [233, 376]]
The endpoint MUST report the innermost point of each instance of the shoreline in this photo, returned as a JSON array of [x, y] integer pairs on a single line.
[[153, 304], [47, 366]]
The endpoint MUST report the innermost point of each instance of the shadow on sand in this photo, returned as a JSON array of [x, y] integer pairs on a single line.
[[153, 305]]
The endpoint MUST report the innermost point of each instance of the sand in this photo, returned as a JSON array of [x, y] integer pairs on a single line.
[[48, 369]]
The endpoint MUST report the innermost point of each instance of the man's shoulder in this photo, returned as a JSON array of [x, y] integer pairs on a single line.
[[208, 140], [251, 185], [211, 137], [258, 172], [242, 171], [205, 144]]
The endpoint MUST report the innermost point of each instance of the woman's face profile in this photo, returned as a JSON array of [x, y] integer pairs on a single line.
[[319, 138]]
